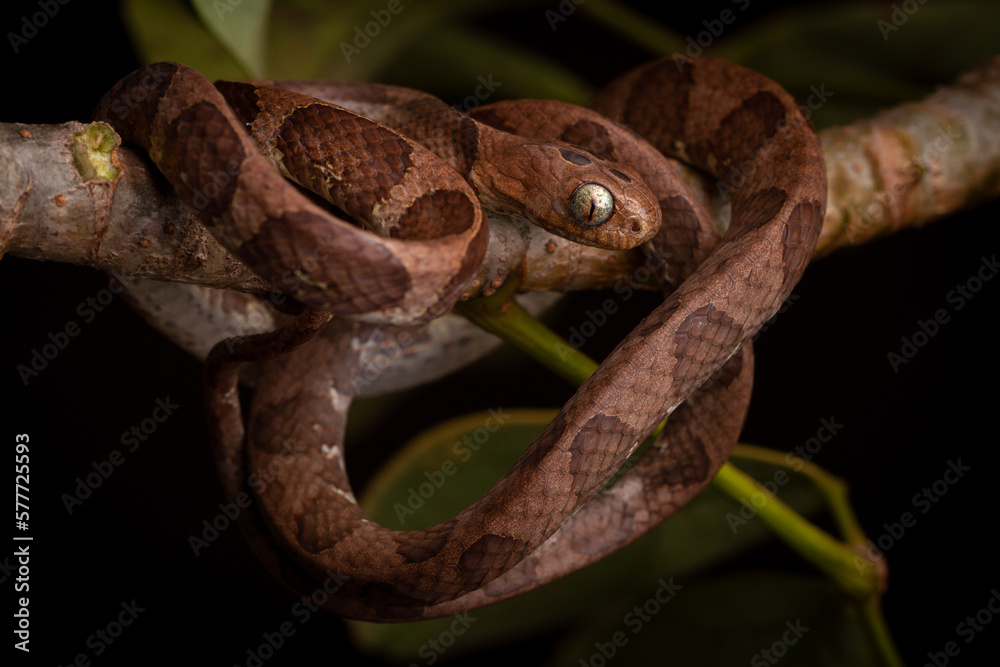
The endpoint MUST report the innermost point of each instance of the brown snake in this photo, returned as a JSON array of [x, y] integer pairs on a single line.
[[720, 117], [433, 232]]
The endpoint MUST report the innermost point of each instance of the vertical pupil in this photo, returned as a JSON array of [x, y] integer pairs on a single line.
[[591, 205]]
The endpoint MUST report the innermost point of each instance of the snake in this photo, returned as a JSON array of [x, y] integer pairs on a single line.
[[547, 515], [430, 232]]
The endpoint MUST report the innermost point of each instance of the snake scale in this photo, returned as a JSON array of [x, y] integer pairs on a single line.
[[547, 516]]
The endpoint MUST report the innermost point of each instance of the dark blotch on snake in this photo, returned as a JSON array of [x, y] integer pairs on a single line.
[[495, 120], [795, 233], [691, 463], [547, 440], [574, 157], [242, 99], [200, 130], [745, 131], [418, 553], [701, 338], [590, 136], [435, 214], [600, 438], [484, 554], [390, 595], [620, 175]]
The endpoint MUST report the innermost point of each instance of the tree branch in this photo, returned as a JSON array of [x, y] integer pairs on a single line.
[[910, 165]]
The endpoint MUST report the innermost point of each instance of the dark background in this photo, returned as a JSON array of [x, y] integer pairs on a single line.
[[825, 357]]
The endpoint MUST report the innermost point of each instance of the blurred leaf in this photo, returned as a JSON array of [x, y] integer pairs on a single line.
[[852, 55], [365, 41], [454, 63], [404, 495], [353, 43], [439, 474], [241, 26], [849, 49], [634, 26], [305, 39], [168, 30], [728, 620]]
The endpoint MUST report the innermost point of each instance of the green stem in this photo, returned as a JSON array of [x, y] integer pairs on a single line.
[[506, 318], [832, 488], [818, 547], [834, 491], [857, 576], [503, 316], [872, 612]]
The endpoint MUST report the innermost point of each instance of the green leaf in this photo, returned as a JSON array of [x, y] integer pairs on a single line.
[[868, 55], [727, 620], [434, 65], [241, 26], [444, 470], [364, 41], [303, 40], [448, 467], [352, 44], [168, 30]]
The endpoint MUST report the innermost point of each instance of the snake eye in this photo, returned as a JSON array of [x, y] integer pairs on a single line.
[[591, 205]]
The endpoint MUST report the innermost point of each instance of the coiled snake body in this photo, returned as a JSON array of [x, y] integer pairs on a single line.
[[542, 519]]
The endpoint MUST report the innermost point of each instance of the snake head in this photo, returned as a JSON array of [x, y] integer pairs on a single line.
[[575, 194]]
